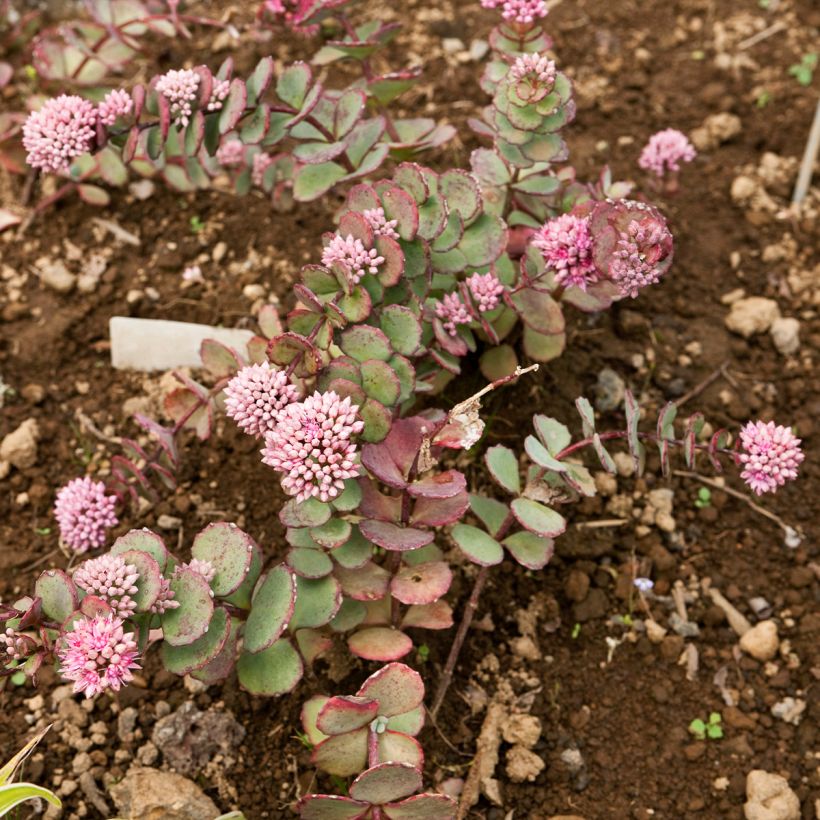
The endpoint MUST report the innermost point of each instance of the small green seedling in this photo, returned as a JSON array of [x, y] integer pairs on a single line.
[[763, 98], [711, 729], [423, 653], [576, 631], [803, 71], [704, 498], [196, 224]]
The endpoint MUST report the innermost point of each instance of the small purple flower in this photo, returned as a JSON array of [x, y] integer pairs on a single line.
[[218, 94], [452, 312], [565, 243], [256, 396], [202, 567], [97, 654], [486, 290], [518, 11], [179, 87], [644, 584], [382, 226], [665, 151], [352, 257], [640, 250], [771, 455], [110, 578], [311, 444], [231, 152], [62, 130], [84, 514], [116, 104]]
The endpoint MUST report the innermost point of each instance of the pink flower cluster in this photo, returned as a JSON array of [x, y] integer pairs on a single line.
[[17, 647], [566, 245], [117, 103], [218, 94], [261, 163], [179, 87], [256, 396], [84, 514], [311, 444], [486, 290], [518, 11], [352, 257], [640, 248], [771, 455], [97, 654], [231, 152], [110, 578], [63, 129], [165, 599], [201, 567], [382, 226], [534, 76], [665, 151], [452, 312]]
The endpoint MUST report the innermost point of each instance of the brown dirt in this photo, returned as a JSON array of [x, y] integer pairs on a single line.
[[628, 717]]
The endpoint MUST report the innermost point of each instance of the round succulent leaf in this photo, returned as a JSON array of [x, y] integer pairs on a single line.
[[422, 583], [364, 342], [145, 541], [391, 270], [58, 594], [498, 362], [333, 533], [363, 197], [398, 204], [189, 621], [406, 374], [271, 609], [309, 563], [395, 747], [350, 615], [91, 606], [439, 485], [182, 660], [366, 583], [554, 435], [331, 807], [380, 382], [377, 421], [354, 224], [308, 716], [408, 723], [229, 550], [540, 455], [438, 615], [409, 178], [345, 713], [421, 556], [462, 192], [219, 359], [386, 783], [317, 601], [349, 498], [222, 665], [402, 328], [437, 512], [537, 518], [275, 671], [342, 755], [379, 643], [312, 643], [241, 597], [347, 389], [503, 466], [393, 537], [421, 807], [355, 553], [149, 583], [309, 513], [397, 688], [356, 305], [477, 545], [484, 241], [541, 347], [530, 550]]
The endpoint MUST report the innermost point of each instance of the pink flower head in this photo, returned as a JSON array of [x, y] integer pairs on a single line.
[[641, 248], [452, 311], [202, 567], [519, 11], [771, 455], [231, 152], [534, 77], [566, 245], [261, 163], [312, 445], [665, 151], [63, 129], [110, 578], [256, 396], [352, 257], [84, 514], [117, 103], [485, 289], [14, 646], [179, 87], [381, 225], [97, 654], [165, 599], [218, 94]]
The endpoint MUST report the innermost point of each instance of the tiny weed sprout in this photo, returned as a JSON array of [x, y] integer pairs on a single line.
[[710, 729], [704, 498], [352, 399], [803, 71]]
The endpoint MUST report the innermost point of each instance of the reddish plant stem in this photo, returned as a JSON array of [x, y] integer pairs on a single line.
[[297, 359], [373, 760], [464, 626], [615, 434]]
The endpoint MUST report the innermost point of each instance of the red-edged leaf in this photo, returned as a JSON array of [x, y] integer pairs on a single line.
[[379, 643], [440, 485], [343, 714], [422, 583], [392, 537]]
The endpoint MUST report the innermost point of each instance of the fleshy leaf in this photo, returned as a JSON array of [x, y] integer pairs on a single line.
[[396, 687], [386, 783], [271, 609], [274, 671], [317, 601], [479, 547], [422, 583], [421, 807], [537, 518], [310, 713], [190, 619], [554, 435], [344, 714], [58, 594], [439, 485], [396, 747], [503, 466], [182, 660], [230, 551], [379, 643], [331, 807], [149, 583], [342, 755], [529, 549], [392, 537], [145, 541]]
